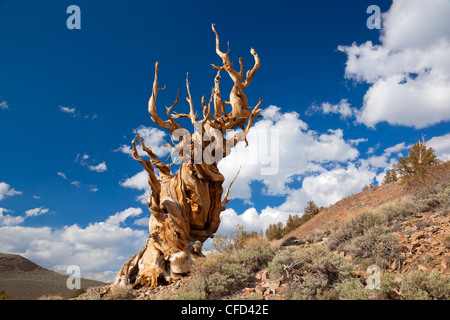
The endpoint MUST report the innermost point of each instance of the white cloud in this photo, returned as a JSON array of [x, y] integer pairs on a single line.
[[152, 138], [99, 249], [139, 182], [298, 151], [441, 146], [343, 108], [6, 190], [356, 142], [4, 105], [71, 111], [36, 212], [410, 24], [76, 183], [62, 175], [8, 220], [409, 72], [74, 113], [101, 167]]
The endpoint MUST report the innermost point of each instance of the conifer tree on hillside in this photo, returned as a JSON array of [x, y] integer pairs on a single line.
[[275, 231], [311, 208], [390, 176], [418, 161]]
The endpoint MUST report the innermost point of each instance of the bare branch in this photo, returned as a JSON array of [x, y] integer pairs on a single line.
[[192, 114], [169, 124], [225, 199], [252, 72]]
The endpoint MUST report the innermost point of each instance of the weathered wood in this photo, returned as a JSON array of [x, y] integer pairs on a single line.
[[185, 206]]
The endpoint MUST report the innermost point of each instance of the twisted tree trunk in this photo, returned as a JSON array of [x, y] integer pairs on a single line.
[[186, 206]]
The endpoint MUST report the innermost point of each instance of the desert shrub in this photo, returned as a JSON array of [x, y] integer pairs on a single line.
[[418, 285], [282, 258], [311, 272], [315, 236], [352, 289], [400, 210], [433, 201], [119, 292], [355, 227], [236, 240], [310, 287], [376, 244], [219, 274], [4, 295], [77, 293], [50, 297]]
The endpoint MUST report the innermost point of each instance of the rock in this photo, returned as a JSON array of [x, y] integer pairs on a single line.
[[274, 297], [260, 290], [414, 246], [417, 236], [247, 291], [282, 287], [393, 295], [394, 265], [444, 264], [434, 242], [274, 285], [422, 268]]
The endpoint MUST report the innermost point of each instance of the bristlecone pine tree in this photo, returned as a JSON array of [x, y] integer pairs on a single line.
[[185, 206], [418, 161]]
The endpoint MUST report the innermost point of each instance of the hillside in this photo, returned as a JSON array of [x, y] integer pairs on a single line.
[[347, 208], [405, 233], [22, 279]]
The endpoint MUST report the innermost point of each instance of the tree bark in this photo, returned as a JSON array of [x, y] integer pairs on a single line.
[[186, 206]]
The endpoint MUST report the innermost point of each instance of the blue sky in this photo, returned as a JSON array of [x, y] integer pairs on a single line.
[[346, 100]]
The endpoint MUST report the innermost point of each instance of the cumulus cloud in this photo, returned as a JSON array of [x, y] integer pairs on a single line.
[[36, 212], [99, 249], [441, 146], [295, 151], [7, 191], [8, 220], [409, 73], [138, 182]]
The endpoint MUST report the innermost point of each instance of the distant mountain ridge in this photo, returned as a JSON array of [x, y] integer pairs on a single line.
[[22, 279]]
